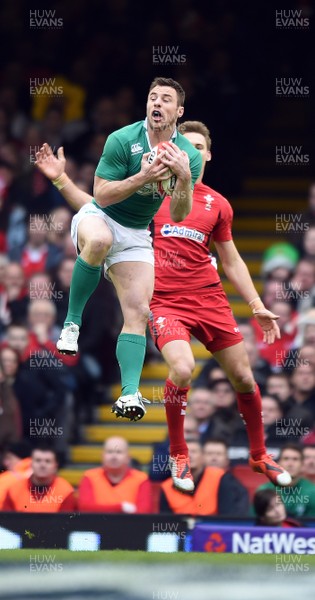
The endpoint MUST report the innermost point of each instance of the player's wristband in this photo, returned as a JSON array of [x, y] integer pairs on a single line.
[[61, 181], [256, 304]]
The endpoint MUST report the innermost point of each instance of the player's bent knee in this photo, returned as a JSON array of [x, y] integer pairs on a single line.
[[244, 380], [136, 313], [181, 373], [98, 246]]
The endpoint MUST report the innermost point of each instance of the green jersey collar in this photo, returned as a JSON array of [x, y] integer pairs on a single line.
[[145, 125]]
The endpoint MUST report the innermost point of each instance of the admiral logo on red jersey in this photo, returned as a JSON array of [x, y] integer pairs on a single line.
[[183, 232]]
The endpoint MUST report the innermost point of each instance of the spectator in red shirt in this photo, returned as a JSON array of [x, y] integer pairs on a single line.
[[115, 487], [34, 254], [277, 354]]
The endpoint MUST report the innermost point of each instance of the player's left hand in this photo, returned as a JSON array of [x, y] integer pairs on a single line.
[[50, 165], [177, 160], [267, 321]]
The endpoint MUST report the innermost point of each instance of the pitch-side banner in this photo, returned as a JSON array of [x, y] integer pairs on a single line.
[[253, 540]]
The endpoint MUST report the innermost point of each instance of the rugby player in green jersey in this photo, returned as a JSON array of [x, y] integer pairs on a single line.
[[114, 228]]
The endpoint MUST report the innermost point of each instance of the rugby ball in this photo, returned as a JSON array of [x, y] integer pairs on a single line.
[[165, 187]]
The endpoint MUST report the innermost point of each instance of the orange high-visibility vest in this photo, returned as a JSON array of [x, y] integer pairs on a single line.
[[106, 493], [24, 496], [205, 499], [21, 471]]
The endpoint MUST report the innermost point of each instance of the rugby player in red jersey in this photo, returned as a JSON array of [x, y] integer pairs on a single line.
[[189, 300]]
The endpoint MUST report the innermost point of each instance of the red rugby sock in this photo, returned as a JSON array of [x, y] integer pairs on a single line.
[[175, 400], [249, 405]]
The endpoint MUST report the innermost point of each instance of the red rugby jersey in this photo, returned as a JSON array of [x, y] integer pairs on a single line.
[[181, 250]]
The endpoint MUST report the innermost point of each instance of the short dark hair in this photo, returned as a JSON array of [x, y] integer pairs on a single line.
[[291, 446], [45, 447], [261, 501], [215, 440], [196, 127], [165, 81]]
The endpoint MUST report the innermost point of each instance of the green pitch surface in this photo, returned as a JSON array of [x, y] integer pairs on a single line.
[[182, 558]]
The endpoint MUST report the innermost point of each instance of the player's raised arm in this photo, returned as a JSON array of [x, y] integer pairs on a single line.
[[53, 167], [237, 272]]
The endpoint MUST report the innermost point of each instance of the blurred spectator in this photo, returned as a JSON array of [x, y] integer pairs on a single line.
[[215, 454], [10, 414], [299, 497], [212, 489], [279, 262], [226, 421], [17, 462], [271, 511], [306, 329], [302, 285], [33, 255], [272, 414], [272, 291], [308, 243], [14, 299], [303, 390], [278, 384], [44, 490], [40, 384], [201, 407], [308, 452], [276, 354], [159, 468], [4, 261], [209, 372], [307, 355], [115, 487], [58, 228]]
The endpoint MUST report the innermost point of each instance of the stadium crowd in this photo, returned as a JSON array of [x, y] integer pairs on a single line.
[[38, 386]]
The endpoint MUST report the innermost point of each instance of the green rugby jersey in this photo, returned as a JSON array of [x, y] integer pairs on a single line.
[[121, 158]]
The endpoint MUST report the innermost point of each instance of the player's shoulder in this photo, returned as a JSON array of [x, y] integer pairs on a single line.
[[124, 134], [206, 190]]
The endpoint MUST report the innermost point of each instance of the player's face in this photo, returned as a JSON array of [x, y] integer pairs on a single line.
[[199, 142], [162, 109], [44, 465]]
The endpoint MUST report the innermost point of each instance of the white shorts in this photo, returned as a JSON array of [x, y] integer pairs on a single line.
[[129, 244]]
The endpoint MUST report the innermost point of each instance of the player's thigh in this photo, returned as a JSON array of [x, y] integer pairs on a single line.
[[94, 229], [235, 363], [178, 355], [134, 283]]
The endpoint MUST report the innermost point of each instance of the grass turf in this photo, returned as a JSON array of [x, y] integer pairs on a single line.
[[67, 556]]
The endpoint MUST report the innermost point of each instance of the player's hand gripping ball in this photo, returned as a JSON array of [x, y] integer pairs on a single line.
[[165, 187]]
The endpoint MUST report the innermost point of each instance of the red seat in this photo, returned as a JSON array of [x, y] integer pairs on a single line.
[[249, 478]]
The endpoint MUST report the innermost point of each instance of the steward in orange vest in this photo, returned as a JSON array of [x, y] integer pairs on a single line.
[[26, 496], [43, 491], [115, 487], [203, 501]]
